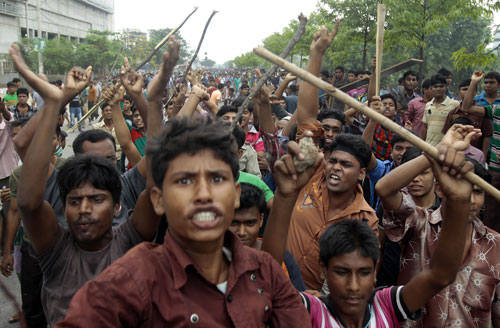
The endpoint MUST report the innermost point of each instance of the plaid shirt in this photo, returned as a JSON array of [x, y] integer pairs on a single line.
[[272, 147], [381, 145]]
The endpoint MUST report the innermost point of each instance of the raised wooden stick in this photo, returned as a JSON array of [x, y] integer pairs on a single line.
[[142, 63], [379, 118], [267, 75], [380, 45]]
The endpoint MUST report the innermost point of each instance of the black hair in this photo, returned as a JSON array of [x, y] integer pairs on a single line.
[[97, 170], [356, 145], [411, 153], [444, 72], [464, 83], [63, 135], [58, 82], [19, 122], [22, 91], [104, 105], [397, 138], [331, 113], [231, 89], [238, 134], [251, 196], [293, 88], [16, 79], [400, 80], [347, 236], [359, 72], [426, 84], [127, 97], [92, 136], [408, 73], [438, 79], [479, 170], [340, 68], [493, 75], [226, 109], [220, 86], [352, 71], [182, 135], [11, 84], [239, 101], [325, 73], [368, 72], [387, 96], [244, 86], [462, 120]]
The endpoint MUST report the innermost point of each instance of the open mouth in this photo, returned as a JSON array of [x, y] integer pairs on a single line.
[[334, 179], [206, 219]]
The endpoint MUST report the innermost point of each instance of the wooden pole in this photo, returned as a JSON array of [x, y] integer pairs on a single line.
[[379, 118], [380, 45]]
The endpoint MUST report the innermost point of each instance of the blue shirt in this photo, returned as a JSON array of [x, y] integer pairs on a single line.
[[481, 100], [383, 167]]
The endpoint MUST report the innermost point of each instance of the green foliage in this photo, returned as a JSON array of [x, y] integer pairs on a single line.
[[249, 60], [479, 58], [207, 62], [155, 36]]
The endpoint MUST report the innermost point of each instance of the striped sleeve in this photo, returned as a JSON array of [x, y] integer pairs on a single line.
[[390, 306]]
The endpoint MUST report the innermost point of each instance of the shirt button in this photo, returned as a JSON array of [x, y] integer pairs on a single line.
[[194, 318], [266, 309], [229, 298], [253, 277], [260, 290]]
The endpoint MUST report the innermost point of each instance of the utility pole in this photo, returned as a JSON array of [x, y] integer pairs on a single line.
[[40, 59]]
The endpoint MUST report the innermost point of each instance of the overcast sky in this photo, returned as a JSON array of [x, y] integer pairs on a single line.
[[238, 27]]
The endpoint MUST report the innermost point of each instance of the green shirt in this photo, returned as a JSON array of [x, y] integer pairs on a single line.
[[255, 181], [11, 100], [493, 113]]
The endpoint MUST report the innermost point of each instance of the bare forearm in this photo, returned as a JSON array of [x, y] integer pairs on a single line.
[[276, 232], [308, 102], [6, 114], [11, 225], [189, 107], [155, 118], [368, 132], [449, 249], [485, 147], [213, 108], [469, 97], [266, 118], [371, 87], [279, 92]]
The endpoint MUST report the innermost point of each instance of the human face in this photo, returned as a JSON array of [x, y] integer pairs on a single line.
[[107, 113], [351, 77], [198, 196], [351, 279], [229, 117], [22, 98], [490, 86], [339, 75], [399, 150], [245, 117], [462, 91], [138, 120], [332, 128], [422, 184], [388, 108], [449, 79], [410, 82], [246, 225], [12, 89], [439, 90], [477, 201], [342, 172], [428, 93], [244, 91], [126, 105], [89, 212], [102, 148], [169, 112]]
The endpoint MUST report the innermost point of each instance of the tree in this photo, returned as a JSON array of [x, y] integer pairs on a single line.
[[98, 51], [207, 63], [155, 36], [357, 29], [410, 23], [250, 60]]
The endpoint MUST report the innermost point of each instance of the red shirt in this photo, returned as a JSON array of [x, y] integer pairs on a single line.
[[161, 286]]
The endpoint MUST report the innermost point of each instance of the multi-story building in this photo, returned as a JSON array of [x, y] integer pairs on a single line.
[[55, 18]]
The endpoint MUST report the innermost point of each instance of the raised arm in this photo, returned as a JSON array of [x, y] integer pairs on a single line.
[[288, 78], [468, 103], [289, 183], [308, 103], [38, 217], [367, 135], [447, 257], [388, 188], [133, 82], [371, 84], [6, 115], [113, 95], [158, 85], [198, 93]]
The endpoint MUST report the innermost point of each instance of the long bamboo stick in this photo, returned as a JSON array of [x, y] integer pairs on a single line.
[[379, 45], [141, 64], [379, 118]]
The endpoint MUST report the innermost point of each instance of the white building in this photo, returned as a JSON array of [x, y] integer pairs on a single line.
[[55, 18]]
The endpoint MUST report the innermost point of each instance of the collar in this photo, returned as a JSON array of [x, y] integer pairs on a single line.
[[242, 260], [328, 303], [445, 101], [252, 129]]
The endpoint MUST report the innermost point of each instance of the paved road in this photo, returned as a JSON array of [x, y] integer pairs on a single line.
[[12, 283]]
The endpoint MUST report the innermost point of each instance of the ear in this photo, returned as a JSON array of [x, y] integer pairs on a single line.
[[157, 200], [261, 220], [362, 174], [323, 270], [116, 209], [240, 152], [237, 189], [438, 190]]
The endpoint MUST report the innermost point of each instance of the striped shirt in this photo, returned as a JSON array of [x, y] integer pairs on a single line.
[[386, 309], [493, 113]]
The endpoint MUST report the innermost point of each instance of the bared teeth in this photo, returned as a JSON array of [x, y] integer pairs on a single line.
[[333, 176], [204, 216]]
